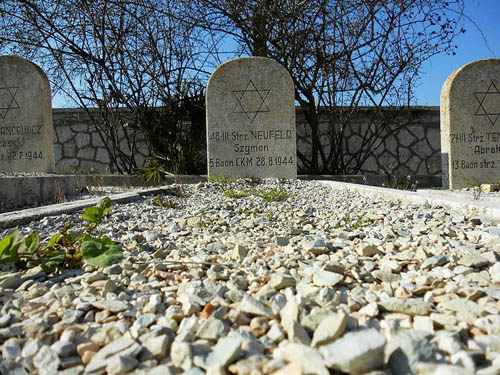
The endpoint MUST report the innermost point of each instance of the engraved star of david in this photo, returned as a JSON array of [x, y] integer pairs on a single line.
[[7, 98], [251, 101], [489, 103]]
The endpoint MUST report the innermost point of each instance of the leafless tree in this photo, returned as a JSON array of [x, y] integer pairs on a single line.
[[141, 54], [120, 60], [342, 55]]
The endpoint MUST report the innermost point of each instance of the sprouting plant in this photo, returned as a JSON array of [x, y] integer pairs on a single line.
[[222, 179], [244, 211], [159, 201], [230, 193], [476, 193], [395, 181], [155, 172], [395, 184], [97, 182], [271, 195], [65, 249], [60, 197], [274, 195], [176, 191], [254, 181]]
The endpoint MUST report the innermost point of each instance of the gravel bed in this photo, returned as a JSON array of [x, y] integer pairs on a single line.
[[322, 282]]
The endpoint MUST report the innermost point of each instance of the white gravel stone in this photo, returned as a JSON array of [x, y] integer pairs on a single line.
[[223, 285], [495, 272], [212, 329], [111, 305], [64, 348], [326, 278], [120, 364], [31, 348], [117, 346], [356, 352], [310, 359], [330, 328], [157, 345], [280, 281], [47, 361], [181, 354], [224, 352], [316, 247], [250, 305]]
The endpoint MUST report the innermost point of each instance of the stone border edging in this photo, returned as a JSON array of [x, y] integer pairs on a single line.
[[15, 218], [488, 207]]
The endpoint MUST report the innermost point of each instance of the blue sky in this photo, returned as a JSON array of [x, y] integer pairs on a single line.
[[471, 46]]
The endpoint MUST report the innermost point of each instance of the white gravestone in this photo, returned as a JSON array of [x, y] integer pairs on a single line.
[[470, 125], [26, 131], [251, 120]]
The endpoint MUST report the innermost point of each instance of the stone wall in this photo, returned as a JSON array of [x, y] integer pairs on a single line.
[[414, 149], [79, 147]]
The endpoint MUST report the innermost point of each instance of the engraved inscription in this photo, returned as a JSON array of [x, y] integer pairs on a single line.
[[478, 144], [251, 101], [7, 98], [489, 103]]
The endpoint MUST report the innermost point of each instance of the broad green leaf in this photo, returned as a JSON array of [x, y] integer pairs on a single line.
[[106, 204], [51, 264], [8, 247], [5, 244], [30, 244], [69, 239], [91, 247], [91, 218], [101, 252], [97, 211], [9, 240], [54, 240], [92, 214], [9, 257]]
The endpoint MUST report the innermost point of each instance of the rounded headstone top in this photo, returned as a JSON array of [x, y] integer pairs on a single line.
[[15, 60], [462, 73], [26, 130], [257, 61]]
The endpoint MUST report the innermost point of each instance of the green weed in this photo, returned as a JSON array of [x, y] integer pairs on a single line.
[[396, 184], [230, 193], [176, 191], [274, 195], [167, 203], [244, 211], [271, 195], [222, 179], [65, 249]]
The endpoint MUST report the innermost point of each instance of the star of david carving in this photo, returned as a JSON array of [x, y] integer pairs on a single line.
[[7, 98], [251, 101], [489, 103]]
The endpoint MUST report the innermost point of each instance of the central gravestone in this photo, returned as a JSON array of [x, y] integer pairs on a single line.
[[470, 125], [251, 120], [26, 131]]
